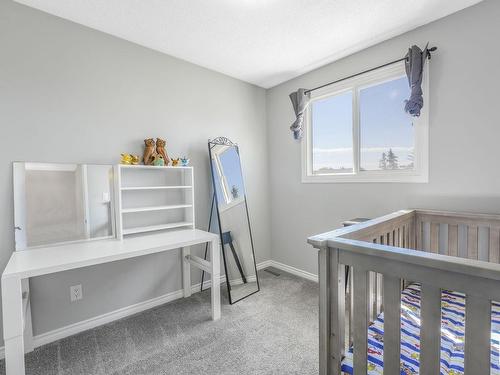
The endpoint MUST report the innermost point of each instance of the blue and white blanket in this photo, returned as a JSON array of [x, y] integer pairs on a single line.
[[452, 336]]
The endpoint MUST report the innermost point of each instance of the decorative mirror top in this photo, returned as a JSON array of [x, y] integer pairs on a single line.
[[222, 141]]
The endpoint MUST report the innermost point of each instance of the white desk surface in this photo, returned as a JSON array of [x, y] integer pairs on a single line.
[[45, 260]]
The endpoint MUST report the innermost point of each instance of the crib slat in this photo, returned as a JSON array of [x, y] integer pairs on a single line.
[[411, 240], [371, 296], [430, 328], [419, 236], [472, 242], [324, 310], [360, 324], [494, 254], [351, 306], [392, 324], [434, 237], [337, 308], [380, 293], [477, 335], [453, 240]]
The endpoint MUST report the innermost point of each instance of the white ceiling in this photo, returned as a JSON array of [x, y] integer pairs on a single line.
[[264, 42]]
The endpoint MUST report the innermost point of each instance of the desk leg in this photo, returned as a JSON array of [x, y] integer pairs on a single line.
[[215, 276], [12, 308], [186, 272]]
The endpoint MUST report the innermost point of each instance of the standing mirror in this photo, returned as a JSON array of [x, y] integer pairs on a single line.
[[234, 223], [56, 203]]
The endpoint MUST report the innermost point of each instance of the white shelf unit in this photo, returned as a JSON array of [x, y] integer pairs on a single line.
[[150, 198]]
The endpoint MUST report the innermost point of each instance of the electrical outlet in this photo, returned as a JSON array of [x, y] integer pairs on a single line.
[[76, 292]]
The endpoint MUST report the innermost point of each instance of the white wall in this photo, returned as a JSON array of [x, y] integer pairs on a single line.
[[464, 137], [71, 94]]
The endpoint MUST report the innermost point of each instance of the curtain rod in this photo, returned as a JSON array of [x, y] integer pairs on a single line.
[[429, 50]]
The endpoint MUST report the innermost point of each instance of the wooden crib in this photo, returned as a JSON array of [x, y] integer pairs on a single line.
[[441, 251]]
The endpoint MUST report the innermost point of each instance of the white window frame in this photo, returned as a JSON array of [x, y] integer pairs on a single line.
[[420, 174], [229, 201]]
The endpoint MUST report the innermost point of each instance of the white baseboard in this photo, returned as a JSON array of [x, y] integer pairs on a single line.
[[294, 271], [73, 329], [264, 264], [84, 325]]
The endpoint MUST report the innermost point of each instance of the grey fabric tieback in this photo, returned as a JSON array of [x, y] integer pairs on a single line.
[[414, 65], [300, 101]]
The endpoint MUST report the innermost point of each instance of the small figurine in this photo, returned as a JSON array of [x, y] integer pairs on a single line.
[[175, 162], [158, 161], [184, 161], [135, 159], [149, 151], [126, 159], [160, 149]]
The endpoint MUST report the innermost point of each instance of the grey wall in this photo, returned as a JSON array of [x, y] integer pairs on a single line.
[[71, 94], [464, 134]]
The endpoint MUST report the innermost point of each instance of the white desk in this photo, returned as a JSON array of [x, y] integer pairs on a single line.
[[42, 261]]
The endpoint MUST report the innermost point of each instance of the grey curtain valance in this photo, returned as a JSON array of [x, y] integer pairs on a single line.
[[414, 65], [300, 101]]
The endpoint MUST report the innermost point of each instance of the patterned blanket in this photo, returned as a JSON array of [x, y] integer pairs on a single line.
[[452, 336]]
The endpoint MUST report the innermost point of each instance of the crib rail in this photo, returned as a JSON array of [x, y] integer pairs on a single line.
[[472, 236], [383, 247]]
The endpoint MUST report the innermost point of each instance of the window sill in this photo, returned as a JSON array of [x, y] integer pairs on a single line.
[[367, 177]]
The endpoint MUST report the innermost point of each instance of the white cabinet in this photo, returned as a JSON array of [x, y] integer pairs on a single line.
[[153, 198]]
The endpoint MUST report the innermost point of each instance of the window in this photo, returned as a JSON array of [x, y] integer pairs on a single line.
[[357, 131], [226, 169]]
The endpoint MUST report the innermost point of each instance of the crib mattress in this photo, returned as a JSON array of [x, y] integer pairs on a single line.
[[452, 336]]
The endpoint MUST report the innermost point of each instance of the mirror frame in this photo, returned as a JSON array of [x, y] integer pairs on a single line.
[[16, 185], [223, 141]]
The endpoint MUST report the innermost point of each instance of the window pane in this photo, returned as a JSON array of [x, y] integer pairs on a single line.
[[332, 134], [386, 131], [230, 164]]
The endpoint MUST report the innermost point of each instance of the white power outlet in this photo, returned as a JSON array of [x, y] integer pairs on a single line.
[[76, 292]]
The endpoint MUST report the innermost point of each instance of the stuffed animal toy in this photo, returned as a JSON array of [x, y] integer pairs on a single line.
[[158, 160], [160, 149], [184, 161], [175, 162], [149, 151]]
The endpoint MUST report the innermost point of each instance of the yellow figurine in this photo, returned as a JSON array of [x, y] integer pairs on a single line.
[[126, 159], [135, 159], [175, 162]]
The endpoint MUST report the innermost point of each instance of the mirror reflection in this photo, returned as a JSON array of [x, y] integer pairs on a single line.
[[56, 203], [236, 236]]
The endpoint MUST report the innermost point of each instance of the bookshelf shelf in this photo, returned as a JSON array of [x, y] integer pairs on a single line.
[[135, 188], [162, 198], [152, 228], [155, 208]]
